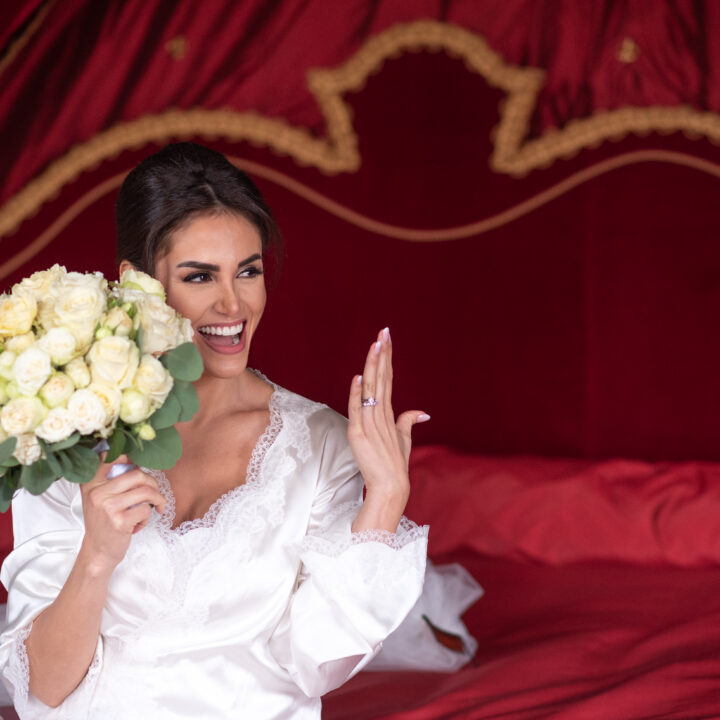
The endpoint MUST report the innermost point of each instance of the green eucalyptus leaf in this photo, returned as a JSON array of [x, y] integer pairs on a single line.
[[38, 477], [7, 447], [187, 395], [7, 491], [79, 464], [66, 443], [117, 445], [161, 453], [183, 362], [131, 441], [52, 460], [168, 413]]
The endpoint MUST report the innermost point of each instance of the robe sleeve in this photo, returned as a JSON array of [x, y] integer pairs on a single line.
[[48, 531], [353, 589]]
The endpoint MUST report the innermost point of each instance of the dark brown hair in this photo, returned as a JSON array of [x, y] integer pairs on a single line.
[[183, 180]]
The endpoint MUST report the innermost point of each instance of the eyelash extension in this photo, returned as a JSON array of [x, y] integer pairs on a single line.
[[252, 271]]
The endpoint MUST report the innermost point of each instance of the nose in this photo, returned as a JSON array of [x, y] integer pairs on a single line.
[[228, 302]]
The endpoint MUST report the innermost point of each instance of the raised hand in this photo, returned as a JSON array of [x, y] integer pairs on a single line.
[[114, 509], [381, 445]]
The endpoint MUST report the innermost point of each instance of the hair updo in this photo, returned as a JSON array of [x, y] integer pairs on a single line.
[[168, 189]]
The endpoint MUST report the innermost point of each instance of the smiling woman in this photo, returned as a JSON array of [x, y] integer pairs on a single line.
[[275, 558]]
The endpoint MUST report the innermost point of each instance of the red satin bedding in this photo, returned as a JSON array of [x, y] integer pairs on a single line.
[[602, 585]]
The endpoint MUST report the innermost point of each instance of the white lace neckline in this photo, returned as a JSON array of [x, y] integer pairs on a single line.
[[253, 477]]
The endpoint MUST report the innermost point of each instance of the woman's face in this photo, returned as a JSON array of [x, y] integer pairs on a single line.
[[213, 275]]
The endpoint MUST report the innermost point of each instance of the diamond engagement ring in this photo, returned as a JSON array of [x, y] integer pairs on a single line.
[[369, 402]]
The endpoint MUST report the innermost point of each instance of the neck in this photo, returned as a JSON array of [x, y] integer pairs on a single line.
[[221, 396]]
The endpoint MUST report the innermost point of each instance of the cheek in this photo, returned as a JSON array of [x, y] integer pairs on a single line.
[[179, 301]]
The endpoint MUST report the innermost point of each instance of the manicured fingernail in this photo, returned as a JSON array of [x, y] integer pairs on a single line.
[[386, 335], [358, 380], [423, 418], [377, 347]]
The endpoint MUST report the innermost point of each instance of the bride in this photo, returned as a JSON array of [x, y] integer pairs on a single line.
[[252, 577]]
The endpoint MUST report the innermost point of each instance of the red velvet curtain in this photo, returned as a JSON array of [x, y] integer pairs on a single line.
[[581, 323]]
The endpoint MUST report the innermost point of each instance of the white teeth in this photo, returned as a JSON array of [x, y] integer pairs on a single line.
[[226, 330]]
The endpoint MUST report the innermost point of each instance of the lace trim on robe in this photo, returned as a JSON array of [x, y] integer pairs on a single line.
[[245, 512], [17, 672], [333, 537]]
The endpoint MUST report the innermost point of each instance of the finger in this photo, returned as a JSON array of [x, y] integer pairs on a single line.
[[382, 366], [369, 377], [386, 370], [122, 484], [101, 474], [139, 515], [136, 496], [404, 427], [354, 405]]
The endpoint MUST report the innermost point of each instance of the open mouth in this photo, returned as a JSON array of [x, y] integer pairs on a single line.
[[223, 337]]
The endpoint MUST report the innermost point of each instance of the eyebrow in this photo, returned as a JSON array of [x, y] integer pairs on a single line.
[[215, 268]]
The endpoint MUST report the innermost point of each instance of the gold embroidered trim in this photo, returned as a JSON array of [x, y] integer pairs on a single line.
[[518, 158], [338, 151], [20, 43], [366, 223]]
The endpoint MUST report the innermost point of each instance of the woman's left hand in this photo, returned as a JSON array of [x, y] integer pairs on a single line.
[[381, 445]]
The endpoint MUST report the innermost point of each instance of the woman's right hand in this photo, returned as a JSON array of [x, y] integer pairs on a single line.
[[114, 509]]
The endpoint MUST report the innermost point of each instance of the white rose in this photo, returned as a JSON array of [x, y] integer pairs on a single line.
[[110, 397], [186, 331], [114, 361], [57, 425], [76, 303], [11, 389], [136, 280], [160, 325], [153, 380], [17, 312], [59, 344], [31, 370], [78, 372], [27, 450], [57, 390], [7, 360], [20, 343], [135, 406], [4, 397], [3, 435], [22, 415], [39, 283], [118, 321], [87, 411]]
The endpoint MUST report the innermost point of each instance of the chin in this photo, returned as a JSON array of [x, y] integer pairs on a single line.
[[225, 368]]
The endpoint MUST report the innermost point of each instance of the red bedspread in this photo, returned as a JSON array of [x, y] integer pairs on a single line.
[[602, 585]]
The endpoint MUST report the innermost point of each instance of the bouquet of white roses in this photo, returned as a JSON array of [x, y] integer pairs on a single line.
[[82, 361]]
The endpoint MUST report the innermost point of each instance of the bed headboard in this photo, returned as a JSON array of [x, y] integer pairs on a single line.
[[578, 315]]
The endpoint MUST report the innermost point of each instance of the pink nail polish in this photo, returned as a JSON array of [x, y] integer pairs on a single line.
[[423, 418], [358, 379], [377, 347], [386, 334]]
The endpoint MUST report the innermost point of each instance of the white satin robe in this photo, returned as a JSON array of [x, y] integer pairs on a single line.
[[254, 611]]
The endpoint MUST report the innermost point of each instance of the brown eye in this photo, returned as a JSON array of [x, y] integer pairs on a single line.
[[197, 277]]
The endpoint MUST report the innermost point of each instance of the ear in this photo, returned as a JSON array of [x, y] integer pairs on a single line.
[[125, 265]]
